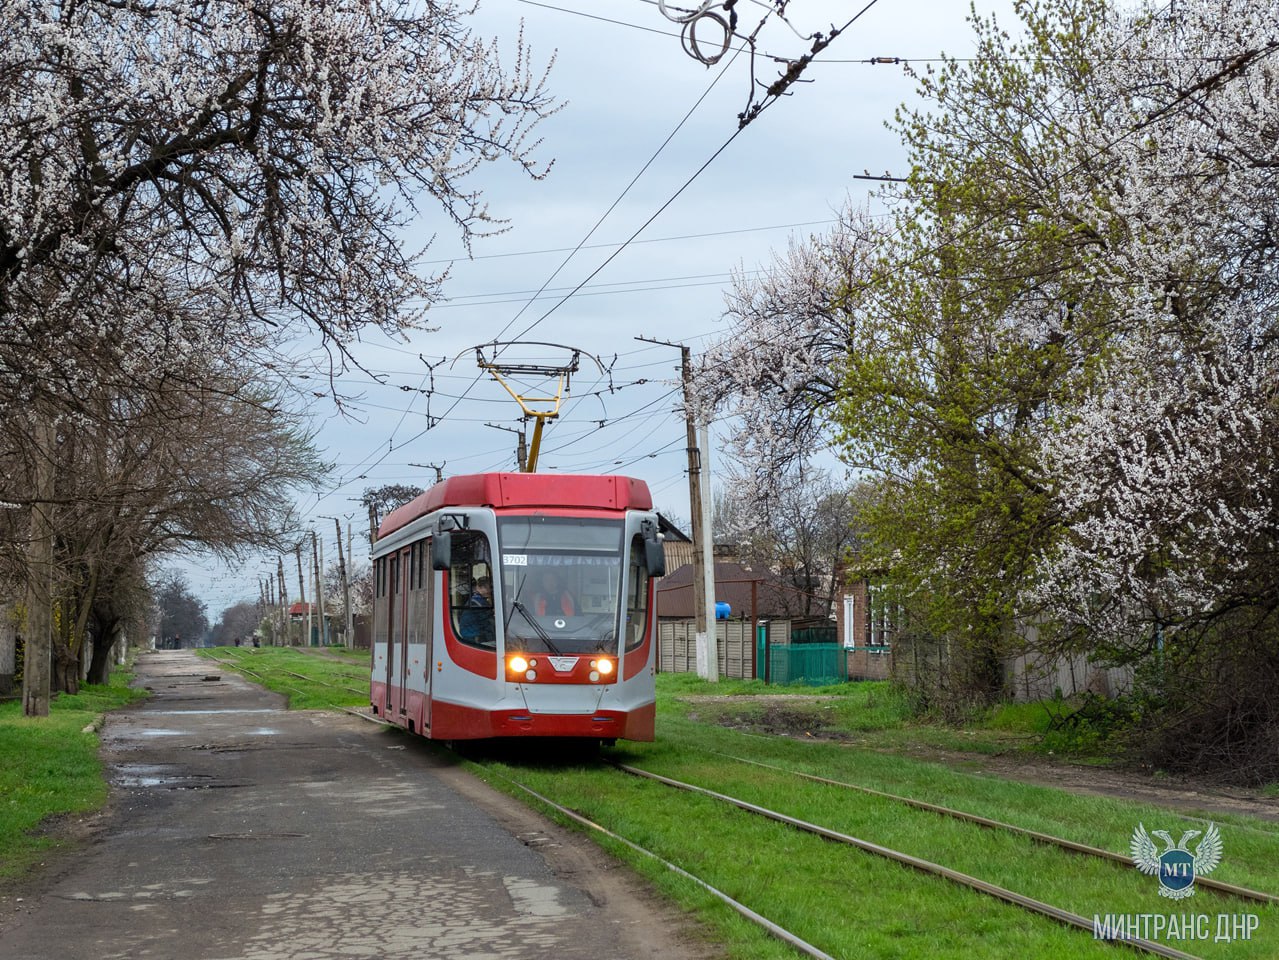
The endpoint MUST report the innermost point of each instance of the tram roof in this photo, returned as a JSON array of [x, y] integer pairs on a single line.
[[524, 491]]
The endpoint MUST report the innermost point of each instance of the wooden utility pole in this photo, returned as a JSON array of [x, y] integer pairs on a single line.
[[703, 551]]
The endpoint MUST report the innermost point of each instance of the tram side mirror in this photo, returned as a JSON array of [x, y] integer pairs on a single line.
[[654, 557], [441, 550]]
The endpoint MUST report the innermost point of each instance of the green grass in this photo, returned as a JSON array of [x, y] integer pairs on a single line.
[[312, 678], [850, 903], [49, 768], [847, 902], [874, 713]]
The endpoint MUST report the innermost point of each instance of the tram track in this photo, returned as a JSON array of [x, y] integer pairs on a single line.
[[237, 663], [773, 929], [1013, 898], [1057, 914], [1083, 849]]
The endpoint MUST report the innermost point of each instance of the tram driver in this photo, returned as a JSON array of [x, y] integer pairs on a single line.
[[552, 597], [476, 622]]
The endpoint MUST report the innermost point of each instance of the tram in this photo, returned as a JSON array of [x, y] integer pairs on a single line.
[[518, 605]]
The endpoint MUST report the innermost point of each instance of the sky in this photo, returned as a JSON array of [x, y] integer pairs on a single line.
[[626, 84]]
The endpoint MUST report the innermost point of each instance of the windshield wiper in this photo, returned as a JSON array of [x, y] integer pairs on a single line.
[[541, 632]]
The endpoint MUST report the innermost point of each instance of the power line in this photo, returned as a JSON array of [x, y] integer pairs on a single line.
[[598, 246], [613, 205]]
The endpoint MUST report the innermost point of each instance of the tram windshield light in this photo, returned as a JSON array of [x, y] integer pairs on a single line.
[[517, 664]]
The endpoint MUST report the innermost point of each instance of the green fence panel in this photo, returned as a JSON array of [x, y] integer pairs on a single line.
[[813, 664]]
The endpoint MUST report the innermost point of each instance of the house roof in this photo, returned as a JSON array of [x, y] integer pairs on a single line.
[[773, 596], [670, 532]]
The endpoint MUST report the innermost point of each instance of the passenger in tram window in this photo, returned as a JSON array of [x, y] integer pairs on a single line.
[[476, 622], [552, 597]]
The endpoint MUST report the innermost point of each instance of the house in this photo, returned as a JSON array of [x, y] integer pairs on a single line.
[[864, 624], [758, 602]]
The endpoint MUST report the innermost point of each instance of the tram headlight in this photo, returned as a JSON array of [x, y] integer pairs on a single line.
[[605, 667], [517, 664]]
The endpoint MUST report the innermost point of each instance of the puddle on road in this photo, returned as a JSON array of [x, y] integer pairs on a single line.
[[202, 712], [157, 775], [263, 732], [154, 733]]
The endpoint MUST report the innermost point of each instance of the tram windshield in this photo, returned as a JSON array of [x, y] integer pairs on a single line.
[[561, 578]]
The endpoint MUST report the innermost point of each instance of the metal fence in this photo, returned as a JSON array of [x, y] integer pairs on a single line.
[[813, 664], [809, 663]]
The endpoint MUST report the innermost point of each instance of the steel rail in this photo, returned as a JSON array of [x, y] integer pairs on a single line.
[[924, 866], [781, 933], [1229, 889], [325, 683]]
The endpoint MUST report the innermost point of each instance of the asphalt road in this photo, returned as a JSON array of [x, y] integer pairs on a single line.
[[240, 831]]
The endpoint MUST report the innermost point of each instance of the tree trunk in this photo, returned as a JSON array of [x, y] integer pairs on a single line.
[[39, 633], [8, 649], [66, 669], [106, 636]]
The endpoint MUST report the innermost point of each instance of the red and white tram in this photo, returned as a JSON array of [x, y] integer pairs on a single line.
[[518, 604]]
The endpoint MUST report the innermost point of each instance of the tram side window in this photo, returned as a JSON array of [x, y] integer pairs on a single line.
[[471, 590], [636, 596]]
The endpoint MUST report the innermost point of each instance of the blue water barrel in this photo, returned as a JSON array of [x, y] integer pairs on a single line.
[[722, 610]]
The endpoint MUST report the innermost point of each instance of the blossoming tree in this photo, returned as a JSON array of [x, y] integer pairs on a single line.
[[180, 181], [1057, 353]]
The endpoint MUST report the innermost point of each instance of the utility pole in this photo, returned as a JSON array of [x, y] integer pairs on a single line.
[[272, 608], [521, 451], [317, 554], [348, 636], [708, 558], [439, 470], [703, 549], [302, 596], [284, 603]]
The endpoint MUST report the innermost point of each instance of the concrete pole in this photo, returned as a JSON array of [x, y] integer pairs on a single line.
[[283, 638], [708, 561], [302, 598], [282, 635], [350, 552], [348, 636], [699, 534], [317, 548]]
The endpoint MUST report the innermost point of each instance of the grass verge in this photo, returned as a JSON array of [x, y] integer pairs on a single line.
[[313, 678], [49, 768], [847, 902]]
